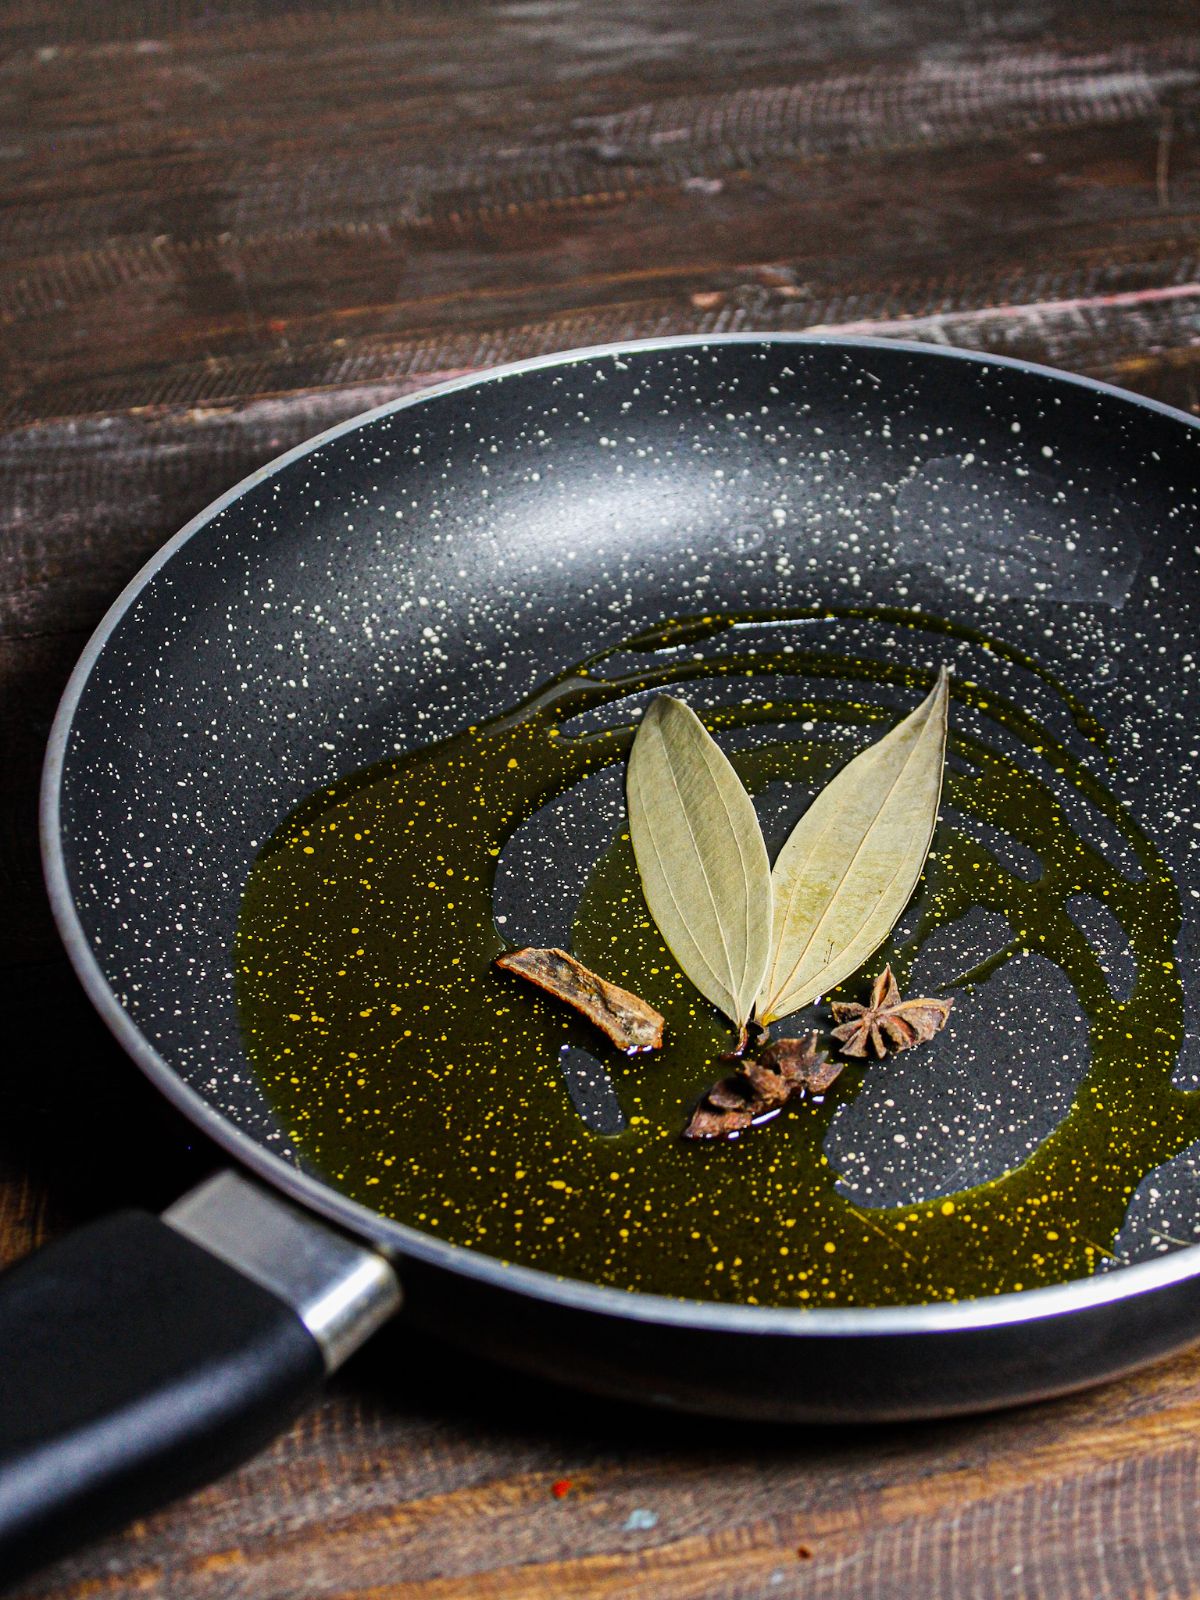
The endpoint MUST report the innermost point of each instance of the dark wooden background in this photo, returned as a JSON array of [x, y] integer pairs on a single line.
[[225, 224]]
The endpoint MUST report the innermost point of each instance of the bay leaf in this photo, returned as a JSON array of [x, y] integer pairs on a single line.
[[701, 856], [851, 863]]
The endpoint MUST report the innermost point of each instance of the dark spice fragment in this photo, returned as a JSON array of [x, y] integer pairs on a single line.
[[630, 1023], [886, 1022], [761, 1087], [802, 1063]]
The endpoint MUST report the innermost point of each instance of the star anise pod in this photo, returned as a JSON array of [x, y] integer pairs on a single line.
[[887, 1023], [761, 1087]]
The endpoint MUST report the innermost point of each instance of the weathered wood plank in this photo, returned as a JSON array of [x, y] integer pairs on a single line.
[[381, 1495], [787, 162], [431, 161]]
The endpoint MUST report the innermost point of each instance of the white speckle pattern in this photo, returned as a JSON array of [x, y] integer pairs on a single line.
[[422, 570]]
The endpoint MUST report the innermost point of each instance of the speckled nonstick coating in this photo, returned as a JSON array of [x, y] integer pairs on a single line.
[[424, 565]]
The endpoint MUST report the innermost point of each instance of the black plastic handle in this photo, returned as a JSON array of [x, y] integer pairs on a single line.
[[134, 1367]]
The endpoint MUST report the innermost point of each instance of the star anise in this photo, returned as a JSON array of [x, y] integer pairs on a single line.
[[761, 1087], [887, 1023]]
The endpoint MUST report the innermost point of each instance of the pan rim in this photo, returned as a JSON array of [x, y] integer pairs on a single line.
[[401, 1241]]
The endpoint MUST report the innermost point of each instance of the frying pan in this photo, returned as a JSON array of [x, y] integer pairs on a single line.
[[544, 511]]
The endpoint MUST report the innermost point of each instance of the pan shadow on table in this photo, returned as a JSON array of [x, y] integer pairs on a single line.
[[78, 1122]]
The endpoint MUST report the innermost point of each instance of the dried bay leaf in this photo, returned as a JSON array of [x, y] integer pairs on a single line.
[[701, 857], [851, 863]]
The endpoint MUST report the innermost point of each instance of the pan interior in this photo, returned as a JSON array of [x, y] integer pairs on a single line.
[[881, 509]]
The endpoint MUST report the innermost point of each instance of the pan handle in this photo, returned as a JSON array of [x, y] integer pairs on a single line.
[[141, 1357]]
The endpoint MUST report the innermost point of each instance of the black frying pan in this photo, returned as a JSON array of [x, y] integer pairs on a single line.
[[276, 643]]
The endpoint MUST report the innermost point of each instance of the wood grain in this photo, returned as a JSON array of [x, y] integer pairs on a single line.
[[227, 226]]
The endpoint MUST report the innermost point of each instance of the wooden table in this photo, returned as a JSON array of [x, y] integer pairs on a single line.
[[227, 225]]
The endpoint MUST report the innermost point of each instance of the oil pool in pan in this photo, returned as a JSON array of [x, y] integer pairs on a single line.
[[425, 1084]]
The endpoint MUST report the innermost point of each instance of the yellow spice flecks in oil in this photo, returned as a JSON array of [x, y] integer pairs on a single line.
[[427, 1085]]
